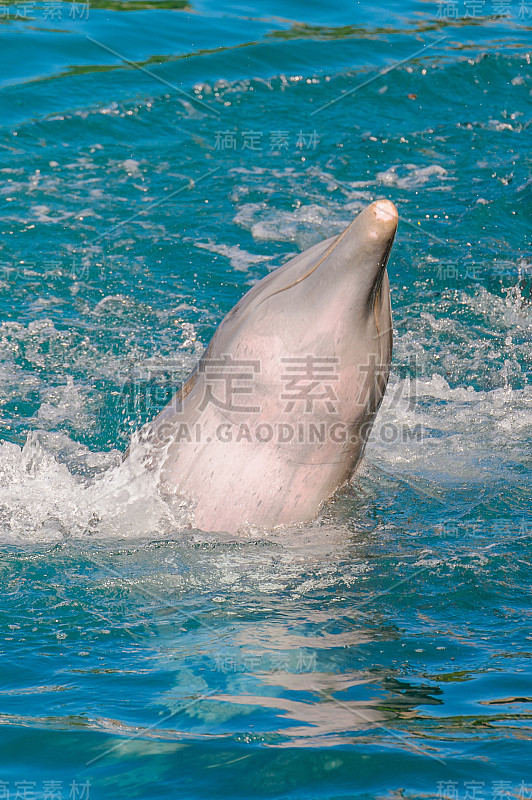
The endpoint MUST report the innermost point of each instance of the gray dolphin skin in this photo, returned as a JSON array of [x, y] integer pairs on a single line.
[[275, 417]]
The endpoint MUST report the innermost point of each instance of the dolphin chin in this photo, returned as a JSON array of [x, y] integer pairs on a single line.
[[275, 417]]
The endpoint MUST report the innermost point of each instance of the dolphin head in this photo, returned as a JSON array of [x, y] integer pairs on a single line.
[[331, 297], [354, 261]]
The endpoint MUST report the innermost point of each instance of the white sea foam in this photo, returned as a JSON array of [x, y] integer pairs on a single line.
[[239, 258], [450, 434], [53, 489], [414, 177]]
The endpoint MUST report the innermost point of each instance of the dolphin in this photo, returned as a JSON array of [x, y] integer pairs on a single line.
[[275, 417]]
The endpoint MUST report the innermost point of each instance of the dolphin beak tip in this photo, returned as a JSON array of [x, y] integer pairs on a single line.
[[385, 212]]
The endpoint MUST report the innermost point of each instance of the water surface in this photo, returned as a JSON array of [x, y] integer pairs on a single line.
[[157, 158]]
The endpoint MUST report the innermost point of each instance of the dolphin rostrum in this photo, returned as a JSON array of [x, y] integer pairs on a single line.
[[276, 415]]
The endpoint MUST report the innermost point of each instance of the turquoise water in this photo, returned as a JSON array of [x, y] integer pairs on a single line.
[[154, 164]]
